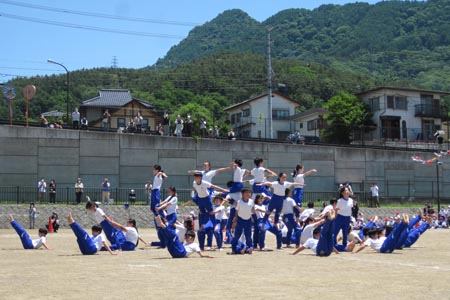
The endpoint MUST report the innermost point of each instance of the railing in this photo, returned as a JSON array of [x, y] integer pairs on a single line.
[[409, 191], [427, 110]]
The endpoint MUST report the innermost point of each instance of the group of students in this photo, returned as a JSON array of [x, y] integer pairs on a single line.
[[245, 219]]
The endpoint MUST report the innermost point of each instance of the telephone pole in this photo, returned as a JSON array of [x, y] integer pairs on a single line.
[[269, 84]]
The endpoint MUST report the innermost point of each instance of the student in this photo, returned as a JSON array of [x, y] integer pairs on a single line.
[[155, 196], [170, 205], [208, 173], [126, 237], [238, 176], [276, 203], [260, 211], [259, 174], [310, 243], [219, 211], [381, 243], [415, 233], [89, 245], [242, 222], [206, 214], [344, 211], [99, 214], [299, 177], [175, 247], [308, 227], [27, 242], [289, 206]]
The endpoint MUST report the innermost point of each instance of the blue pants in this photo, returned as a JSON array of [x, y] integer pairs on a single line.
[[292, 226], [405, 233], [242, 226], [229, 224], [85, 242], [114, 235], [297, 195], [155, 200], [236, 187], [343, 223], [24, 237], [259, 189], [218, 233], [206, 228], [172, 218], [392, 239], [175, 247], [326, 240], [415, 233], [262, 233], [276, 203]]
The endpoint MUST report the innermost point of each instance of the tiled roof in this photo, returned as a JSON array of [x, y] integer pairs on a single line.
[[259, 97], [113, 98], [442, 93]]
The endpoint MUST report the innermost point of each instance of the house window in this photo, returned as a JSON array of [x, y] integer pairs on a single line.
[[144, 123], [374, 104], [301, 125], [246, 133], [280, 114], [246, 112], [121, 123], [397, 102], [312, 125], [282, 135], [236, 118]]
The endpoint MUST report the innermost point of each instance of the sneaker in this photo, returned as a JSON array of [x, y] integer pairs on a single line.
[[220, 249]]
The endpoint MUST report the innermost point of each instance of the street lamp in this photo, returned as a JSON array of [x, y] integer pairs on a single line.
[[438, 163], [67, 96]]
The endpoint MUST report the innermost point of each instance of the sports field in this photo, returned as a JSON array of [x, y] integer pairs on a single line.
[[421, 272]]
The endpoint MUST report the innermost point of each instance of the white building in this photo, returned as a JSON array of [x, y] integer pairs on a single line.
[[310, 122], [251, 118], [405, 113]]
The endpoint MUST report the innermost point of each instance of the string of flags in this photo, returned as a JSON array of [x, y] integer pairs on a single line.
[[422, 161]]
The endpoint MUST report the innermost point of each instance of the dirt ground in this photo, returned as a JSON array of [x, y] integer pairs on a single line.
[[422, 271]]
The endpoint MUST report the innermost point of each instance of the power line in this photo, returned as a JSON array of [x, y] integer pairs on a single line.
[[92, 28], [98, 15]]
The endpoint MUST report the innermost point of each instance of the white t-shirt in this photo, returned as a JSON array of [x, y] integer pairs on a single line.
[[245, 209], [375, 244], [172, 207], [131, 235], [238, 174], [374, 190], [37, 243], [99, 215], [258, 174], [345, 207], [260, 214], [309, 212], [157, 182], [98, 241], [327, 209], [202, 188], [288, 206], [220, 213], [280, 189], [181, 232], [299, 178], [307, 233], [209, 175], [311, 243], [191, 248]]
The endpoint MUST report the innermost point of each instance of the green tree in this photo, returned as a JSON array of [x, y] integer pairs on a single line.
[[346, 112]]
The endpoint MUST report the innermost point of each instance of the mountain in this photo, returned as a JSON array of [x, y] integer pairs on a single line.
[[394, 41]]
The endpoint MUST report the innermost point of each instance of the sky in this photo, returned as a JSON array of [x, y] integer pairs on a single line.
[[86, 34]]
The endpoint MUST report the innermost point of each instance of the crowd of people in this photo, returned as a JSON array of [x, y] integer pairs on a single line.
[[241, 217]]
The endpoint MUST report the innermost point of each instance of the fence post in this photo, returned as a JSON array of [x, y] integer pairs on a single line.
[[17, 194], [67, 195], [409, 188]]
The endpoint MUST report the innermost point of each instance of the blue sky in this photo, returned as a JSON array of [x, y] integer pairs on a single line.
[[27, 44]]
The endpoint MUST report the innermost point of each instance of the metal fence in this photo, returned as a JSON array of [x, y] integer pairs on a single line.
[[394, 190]]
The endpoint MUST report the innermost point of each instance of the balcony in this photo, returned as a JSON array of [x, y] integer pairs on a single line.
[[428, 111]]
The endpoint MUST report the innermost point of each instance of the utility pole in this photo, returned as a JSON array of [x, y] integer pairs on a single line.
[[269, 84]]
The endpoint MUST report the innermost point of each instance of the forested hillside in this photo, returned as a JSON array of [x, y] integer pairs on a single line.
[[316, 55]]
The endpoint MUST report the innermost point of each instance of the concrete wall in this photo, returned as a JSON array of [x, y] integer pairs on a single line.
[[126, 159]]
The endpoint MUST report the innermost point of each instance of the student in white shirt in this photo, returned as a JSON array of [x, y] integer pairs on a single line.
[[344, 213], [27, 242], [170, 205], [242, 222]]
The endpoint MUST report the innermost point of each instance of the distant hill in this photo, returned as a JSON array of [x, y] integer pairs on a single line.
[[391, 40]]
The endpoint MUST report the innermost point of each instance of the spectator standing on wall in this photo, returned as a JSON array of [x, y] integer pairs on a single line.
[[76, 119], [375, 200], [52, 191], [138, 122], [189, 126], [106, 120], [166, 123], [179, 126], [42, 187], [84, 124], [79, 190], [203, 131], [439, 135]]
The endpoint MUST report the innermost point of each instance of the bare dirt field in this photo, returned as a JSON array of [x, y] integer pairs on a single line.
[[421, 272]]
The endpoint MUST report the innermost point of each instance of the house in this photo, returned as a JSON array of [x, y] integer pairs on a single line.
[[249, 118], [310, 122], [122, 107], [405, 113]]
